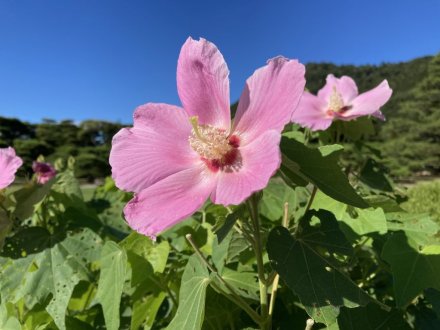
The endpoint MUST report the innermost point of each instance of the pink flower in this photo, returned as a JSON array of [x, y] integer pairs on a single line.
[[43, 171], [9, 164], [175, 158], [339, 99]]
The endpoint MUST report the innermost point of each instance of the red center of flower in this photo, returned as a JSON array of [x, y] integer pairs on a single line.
[[229, 159], [217, 149]]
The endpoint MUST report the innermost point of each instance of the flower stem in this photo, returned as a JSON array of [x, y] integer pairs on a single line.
[[235, 297], [312, 197], [276, 279], [253, 209]]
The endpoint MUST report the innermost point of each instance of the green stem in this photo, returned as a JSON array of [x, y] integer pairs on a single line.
[[253, 209], [312, 197], [235, 297], [276, 279]]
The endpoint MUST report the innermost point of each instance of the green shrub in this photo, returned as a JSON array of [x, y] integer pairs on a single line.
[[424, 198]]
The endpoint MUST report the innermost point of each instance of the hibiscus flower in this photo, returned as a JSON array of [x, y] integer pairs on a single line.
[[43, 171], [339, 99], [175, 158], [9, 164]]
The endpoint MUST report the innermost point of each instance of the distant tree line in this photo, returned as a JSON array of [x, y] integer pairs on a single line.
[[409, 140], [89, 142]]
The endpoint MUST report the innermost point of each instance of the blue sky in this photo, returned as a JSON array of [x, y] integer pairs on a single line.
[[84, 59]]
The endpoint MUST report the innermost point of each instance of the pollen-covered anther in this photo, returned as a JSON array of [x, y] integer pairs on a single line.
[[212, 143], [336, 103]]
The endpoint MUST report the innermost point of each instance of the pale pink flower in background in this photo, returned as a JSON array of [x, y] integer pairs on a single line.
[[175, 158], [43, 171], [9, 164], [339, 99]]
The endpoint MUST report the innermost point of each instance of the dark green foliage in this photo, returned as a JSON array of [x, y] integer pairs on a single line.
[[89, 142]]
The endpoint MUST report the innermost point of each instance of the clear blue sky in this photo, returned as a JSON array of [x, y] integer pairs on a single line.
[[81, 59]]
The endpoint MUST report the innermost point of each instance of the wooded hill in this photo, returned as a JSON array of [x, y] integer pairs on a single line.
[[409, 140]]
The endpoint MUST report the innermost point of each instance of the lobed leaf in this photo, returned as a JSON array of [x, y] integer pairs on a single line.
[[307, 265]]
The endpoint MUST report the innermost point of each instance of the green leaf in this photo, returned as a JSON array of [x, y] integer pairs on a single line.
[[155, 253], [433, 296], [418, 227], [66, 183], [220, 252], [8, 321], [320, 167], [221, 313], [229, 223], [414, 268], [373, 175], [245, 283], [371, 317], [5, 227], [28, 198], [307, 265], [111, 282], [145, 311], [55, 270], [361, 221], [191, 310], [274, 196]]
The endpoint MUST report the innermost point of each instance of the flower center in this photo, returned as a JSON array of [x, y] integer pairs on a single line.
[[336, 103], [213, 144]]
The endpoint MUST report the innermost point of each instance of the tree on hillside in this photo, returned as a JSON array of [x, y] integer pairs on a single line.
[[11, 129], [413, 136]]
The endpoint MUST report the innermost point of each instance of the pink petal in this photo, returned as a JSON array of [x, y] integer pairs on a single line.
[[169, 201], [9, 164], [311, 113], [269, 98], [156, 147], [369, 103], [344, 86], [260, 160], [203, 83]]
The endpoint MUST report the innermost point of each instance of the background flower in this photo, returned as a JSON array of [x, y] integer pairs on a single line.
[[339, 99], [9, 164], [43, 171]]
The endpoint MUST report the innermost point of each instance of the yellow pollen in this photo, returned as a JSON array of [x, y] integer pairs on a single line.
[[208, 141], [335, 103]]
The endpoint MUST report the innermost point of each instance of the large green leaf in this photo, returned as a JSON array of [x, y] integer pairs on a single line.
[[418, 227], [55, 270], [111, 282], [28, 199], [414, 268], [361, 221], [320, 167], [191, 310], [307, 264], [371, 317]]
